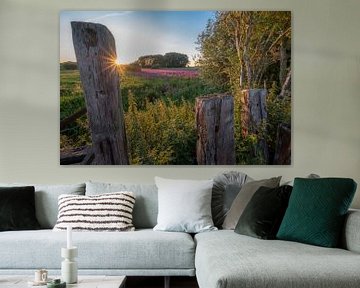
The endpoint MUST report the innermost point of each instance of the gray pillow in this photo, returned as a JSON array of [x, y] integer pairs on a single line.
[[310, 176], [146, 204], [243, 198], [226, 187], [184, 205], [46, 200]]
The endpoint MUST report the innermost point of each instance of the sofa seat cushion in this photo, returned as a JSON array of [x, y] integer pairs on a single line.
[[225, 259], [142, 249]]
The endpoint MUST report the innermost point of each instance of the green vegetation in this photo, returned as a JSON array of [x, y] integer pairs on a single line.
[[245, 50], [71, 101], [175, 89], [159, 116], [171, 59], [68, 65], [161, 133], [242, 49]]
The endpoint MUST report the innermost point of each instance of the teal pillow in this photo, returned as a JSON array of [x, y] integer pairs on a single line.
[[316, 211]]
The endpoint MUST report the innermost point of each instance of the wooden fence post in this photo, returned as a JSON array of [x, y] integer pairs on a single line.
[[215, 130], [282, 154], [96, 55], [253, 114]]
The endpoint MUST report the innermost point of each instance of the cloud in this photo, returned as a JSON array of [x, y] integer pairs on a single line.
[[113, 14]]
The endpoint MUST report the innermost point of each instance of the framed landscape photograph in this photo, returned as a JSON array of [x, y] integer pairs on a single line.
[[175, 88]]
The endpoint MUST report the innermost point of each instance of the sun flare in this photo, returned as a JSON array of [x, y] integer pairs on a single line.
[[112, 63], [117, 61]]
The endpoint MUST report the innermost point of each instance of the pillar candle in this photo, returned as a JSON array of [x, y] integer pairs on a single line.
[[69, 237]]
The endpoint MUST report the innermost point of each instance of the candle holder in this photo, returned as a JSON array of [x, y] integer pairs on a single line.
[[68, 265]]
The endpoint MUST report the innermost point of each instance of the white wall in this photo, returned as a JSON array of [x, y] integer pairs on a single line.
[[326, 91]]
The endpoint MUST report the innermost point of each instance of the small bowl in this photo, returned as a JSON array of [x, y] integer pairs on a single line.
[[56, 283]]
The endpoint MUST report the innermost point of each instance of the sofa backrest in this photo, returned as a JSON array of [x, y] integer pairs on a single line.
[[46, 200], [351, 236], [146, 203]]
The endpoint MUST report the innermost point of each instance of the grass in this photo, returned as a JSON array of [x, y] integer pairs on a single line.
[[160, 117], [159, 114]]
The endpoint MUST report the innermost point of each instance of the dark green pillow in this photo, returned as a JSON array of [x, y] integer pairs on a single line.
[[316, 211], [17, 208], [263, 214]]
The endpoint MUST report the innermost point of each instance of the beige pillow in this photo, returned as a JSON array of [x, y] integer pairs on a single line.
[[243, 198]]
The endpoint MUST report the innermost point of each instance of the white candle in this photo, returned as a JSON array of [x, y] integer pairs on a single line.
[[69, 239]]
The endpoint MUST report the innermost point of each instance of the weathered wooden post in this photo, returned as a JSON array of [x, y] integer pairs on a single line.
[[215, 130], [282, 154], [253, 114], [96, 55]]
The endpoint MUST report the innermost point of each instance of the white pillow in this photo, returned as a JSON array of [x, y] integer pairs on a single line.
[[184, 205], [104, 212]]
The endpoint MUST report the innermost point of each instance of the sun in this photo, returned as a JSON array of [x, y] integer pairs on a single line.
[[112, 63], [117, 61]]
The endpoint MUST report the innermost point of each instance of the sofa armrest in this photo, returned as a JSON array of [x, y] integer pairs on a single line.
[[351, 234]]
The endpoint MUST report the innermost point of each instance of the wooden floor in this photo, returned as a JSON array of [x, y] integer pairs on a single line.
[[158, 282]]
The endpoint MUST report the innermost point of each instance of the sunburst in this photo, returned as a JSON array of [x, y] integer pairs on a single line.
[[112, 62]]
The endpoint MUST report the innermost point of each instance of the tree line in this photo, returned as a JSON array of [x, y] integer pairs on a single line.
[[169, 60]]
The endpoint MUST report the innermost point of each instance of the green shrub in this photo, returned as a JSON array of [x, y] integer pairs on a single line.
[[279, 111], [132, 67], [162, 133]]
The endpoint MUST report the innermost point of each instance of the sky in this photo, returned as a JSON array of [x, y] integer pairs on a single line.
[[139, 33]]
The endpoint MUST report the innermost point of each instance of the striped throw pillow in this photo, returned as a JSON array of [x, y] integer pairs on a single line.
[[105, 212]]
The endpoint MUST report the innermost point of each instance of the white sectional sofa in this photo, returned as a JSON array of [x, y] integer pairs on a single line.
[[219, 259]]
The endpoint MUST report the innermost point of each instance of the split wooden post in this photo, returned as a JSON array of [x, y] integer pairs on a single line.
[[253, 115], [282, 154], [215, 130], [96, 58]]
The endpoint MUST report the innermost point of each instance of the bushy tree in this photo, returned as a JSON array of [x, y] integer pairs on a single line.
[[237, 48], [169, 60], [175, 60], [151, 61]]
